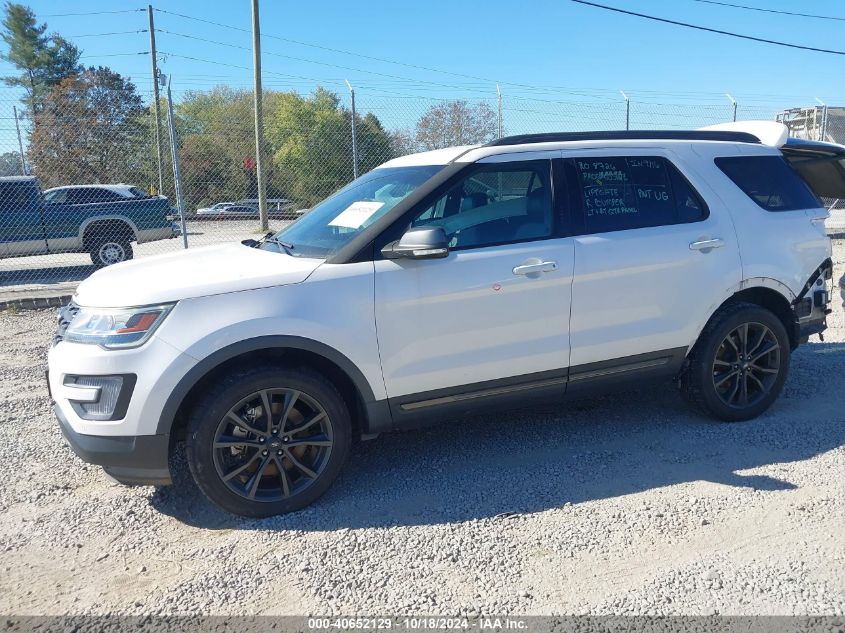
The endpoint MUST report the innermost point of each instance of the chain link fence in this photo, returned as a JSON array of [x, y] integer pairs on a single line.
[[82, 185]]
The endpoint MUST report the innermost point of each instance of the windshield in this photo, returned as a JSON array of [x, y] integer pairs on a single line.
[[335, 221]]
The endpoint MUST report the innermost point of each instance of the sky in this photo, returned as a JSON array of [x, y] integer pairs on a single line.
[[541, 53]]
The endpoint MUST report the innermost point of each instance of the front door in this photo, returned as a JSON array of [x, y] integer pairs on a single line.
[[493, 316]]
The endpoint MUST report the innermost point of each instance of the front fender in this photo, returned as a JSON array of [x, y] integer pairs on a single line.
[[207, 364], [330, 314]]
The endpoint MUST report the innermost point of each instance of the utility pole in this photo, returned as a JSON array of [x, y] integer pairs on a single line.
[[354, 135], [177, 174], [733, 103], [156, 113], [259, 119], [20, 144], [627, 110], [500, 131]]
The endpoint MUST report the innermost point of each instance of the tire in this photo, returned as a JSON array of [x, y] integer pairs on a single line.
[[107, 250], [725, 382], [246, 469]]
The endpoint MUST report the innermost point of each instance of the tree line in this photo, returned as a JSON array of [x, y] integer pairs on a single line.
[[90, 125]]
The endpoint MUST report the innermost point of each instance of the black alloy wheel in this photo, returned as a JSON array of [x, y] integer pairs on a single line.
[[273, 444], [267, 440], [739, 364], [746, 365]]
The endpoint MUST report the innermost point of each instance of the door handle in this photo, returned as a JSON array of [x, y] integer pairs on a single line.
[[532, 269], [707, 245]]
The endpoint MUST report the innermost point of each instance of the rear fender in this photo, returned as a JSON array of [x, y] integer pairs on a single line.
[[746, 284], [107, 218]]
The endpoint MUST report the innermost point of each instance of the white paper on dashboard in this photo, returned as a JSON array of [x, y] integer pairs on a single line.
[[356, 214]]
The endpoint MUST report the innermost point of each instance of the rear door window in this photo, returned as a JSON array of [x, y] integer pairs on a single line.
[[770, 182], [632, 192]]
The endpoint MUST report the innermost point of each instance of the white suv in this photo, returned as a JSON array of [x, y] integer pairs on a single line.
[[443, 283]]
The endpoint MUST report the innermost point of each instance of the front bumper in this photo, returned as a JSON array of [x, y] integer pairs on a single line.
[[138, 460], [130, 445]]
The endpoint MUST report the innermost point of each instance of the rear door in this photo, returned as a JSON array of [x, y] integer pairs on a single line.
[[655, 253]]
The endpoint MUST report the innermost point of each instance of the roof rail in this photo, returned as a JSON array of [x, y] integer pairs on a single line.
[[627, 135]]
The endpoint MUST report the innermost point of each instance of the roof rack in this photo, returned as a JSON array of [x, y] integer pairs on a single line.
[[627, 135]]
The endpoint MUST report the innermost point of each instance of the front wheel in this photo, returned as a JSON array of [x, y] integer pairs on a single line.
[[739, 364], [266, 441]]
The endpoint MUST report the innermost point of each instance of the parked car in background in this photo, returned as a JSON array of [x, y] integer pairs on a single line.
[[102, 220], [241, 209], [445, 283], [277, 208], [214, 209], [273, 204]]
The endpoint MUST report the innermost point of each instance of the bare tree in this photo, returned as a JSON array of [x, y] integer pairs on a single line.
[[456, 123]]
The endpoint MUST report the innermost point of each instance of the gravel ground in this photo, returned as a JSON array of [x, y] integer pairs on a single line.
[[621, 504]]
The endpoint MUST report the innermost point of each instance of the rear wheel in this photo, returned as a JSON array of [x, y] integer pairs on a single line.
[[108, 250], [739, 364], [266, 441]]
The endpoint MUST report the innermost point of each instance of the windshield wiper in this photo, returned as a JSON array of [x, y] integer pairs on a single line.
[[287, 245], [267, 239]]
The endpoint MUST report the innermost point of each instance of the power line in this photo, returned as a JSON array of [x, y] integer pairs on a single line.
[[404, 81], [319, 63], [64, 15], [792, 13], [485, 80], [216, 63], [709, 30], [112, 33], [333, 50], [208, 61], [114, 55]]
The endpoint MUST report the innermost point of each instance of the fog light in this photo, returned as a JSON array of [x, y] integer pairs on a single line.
[[96, 397]]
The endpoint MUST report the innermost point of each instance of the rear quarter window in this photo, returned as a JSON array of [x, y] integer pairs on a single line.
[[770, 182]]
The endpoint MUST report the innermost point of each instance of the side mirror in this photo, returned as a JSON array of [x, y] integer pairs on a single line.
[[421, 242]]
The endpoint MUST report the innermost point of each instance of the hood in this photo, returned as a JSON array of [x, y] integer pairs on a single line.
[[195, 272]]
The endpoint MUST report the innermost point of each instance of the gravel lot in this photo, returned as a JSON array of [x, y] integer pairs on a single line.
[[622, 504]]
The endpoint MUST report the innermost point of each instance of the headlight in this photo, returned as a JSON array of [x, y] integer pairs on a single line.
[[116, 328]]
